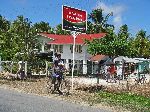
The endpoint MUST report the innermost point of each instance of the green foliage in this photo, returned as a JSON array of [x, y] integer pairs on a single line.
[[15, 68], [42, 27], [120, 44], [59, 30], [130, 101], [111, 44], [18, 38], [100, 21], [4, 24], [141, 44]]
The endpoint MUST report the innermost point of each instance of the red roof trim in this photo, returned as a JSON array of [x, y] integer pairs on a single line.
[[97, 57], [68, 39]]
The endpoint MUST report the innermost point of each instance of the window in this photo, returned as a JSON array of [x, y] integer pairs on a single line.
[[58, 48], [78, 48], [47, 47], [71, 48]]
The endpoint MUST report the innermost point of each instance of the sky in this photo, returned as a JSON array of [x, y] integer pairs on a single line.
[[134, 13]]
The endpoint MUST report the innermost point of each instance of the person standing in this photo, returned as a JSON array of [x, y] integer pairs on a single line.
[[119, 71], [107, 72], [112, 72], [20, 71]]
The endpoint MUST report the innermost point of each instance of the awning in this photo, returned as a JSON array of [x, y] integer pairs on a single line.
[[97, 58], [128, 60]]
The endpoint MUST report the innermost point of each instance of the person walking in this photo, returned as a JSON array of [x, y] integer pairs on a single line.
[[107, 72]]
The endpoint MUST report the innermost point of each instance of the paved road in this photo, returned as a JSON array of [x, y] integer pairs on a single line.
[[12, 101]]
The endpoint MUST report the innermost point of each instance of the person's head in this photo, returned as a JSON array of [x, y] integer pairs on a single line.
[[59, 56], [112, 64], [55, 54]]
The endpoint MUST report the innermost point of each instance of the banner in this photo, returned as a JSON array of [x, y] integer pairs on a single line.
[[74, 19]]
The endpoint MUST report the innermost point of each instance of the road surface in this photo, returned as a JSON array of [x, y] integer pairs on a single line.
[[13, 101]]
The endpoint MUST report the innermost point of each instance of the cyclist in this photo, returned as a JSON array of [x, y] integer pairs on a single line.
[[57, 74]]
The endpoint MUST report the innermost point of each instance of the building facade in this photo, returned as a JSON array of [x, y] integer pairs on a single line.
[[63, 44]]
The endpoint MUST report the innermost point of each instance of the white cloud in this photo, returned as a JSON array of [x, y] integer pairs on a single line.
[[117, 20], [117, 12]]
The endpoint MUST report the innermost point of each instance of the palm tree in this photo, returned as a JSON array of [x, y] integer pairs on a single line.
[[100, 21]]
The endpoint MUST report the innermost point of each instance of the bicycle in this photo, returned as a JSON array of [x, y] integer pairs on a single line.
[[63, 85], [49, 86], [141, 79]]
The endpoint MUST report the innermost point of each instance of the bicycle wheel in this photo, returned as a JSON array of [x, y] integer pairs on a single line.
[[49, 86], [65, 86]]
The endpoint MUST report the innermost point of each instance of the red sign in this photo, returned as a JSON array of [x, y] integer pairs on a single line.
[[74, 15], [74, 19]]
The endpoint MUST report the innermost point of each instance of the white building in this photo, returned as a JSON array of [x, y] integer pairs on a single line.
[[64, 45]]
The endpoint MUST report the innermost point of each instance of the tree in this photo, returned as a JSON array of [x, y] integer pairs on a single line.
[[42, 27], [20, 28], [59, 30], [4, 24], [101, 46], [112, 44], [90, 28], [123, 42], [141, 45], [19, 38], [100, 21], [4, 27]]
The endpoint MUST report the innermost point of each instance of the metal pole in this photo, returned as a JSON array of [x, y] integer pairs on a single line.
[[74, 37], [92, 67], [26, 70], [74, 34]]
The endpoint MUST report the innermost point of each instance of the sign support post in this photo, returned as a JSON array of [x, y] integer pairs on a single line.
[[74, 34]]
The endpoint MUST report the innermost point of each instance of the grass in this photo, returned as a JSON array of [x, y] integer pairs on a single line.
[[129, 101]]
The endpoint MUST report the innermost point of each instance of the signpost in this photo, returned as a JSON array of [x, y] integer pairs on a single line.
[[74, 20]]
